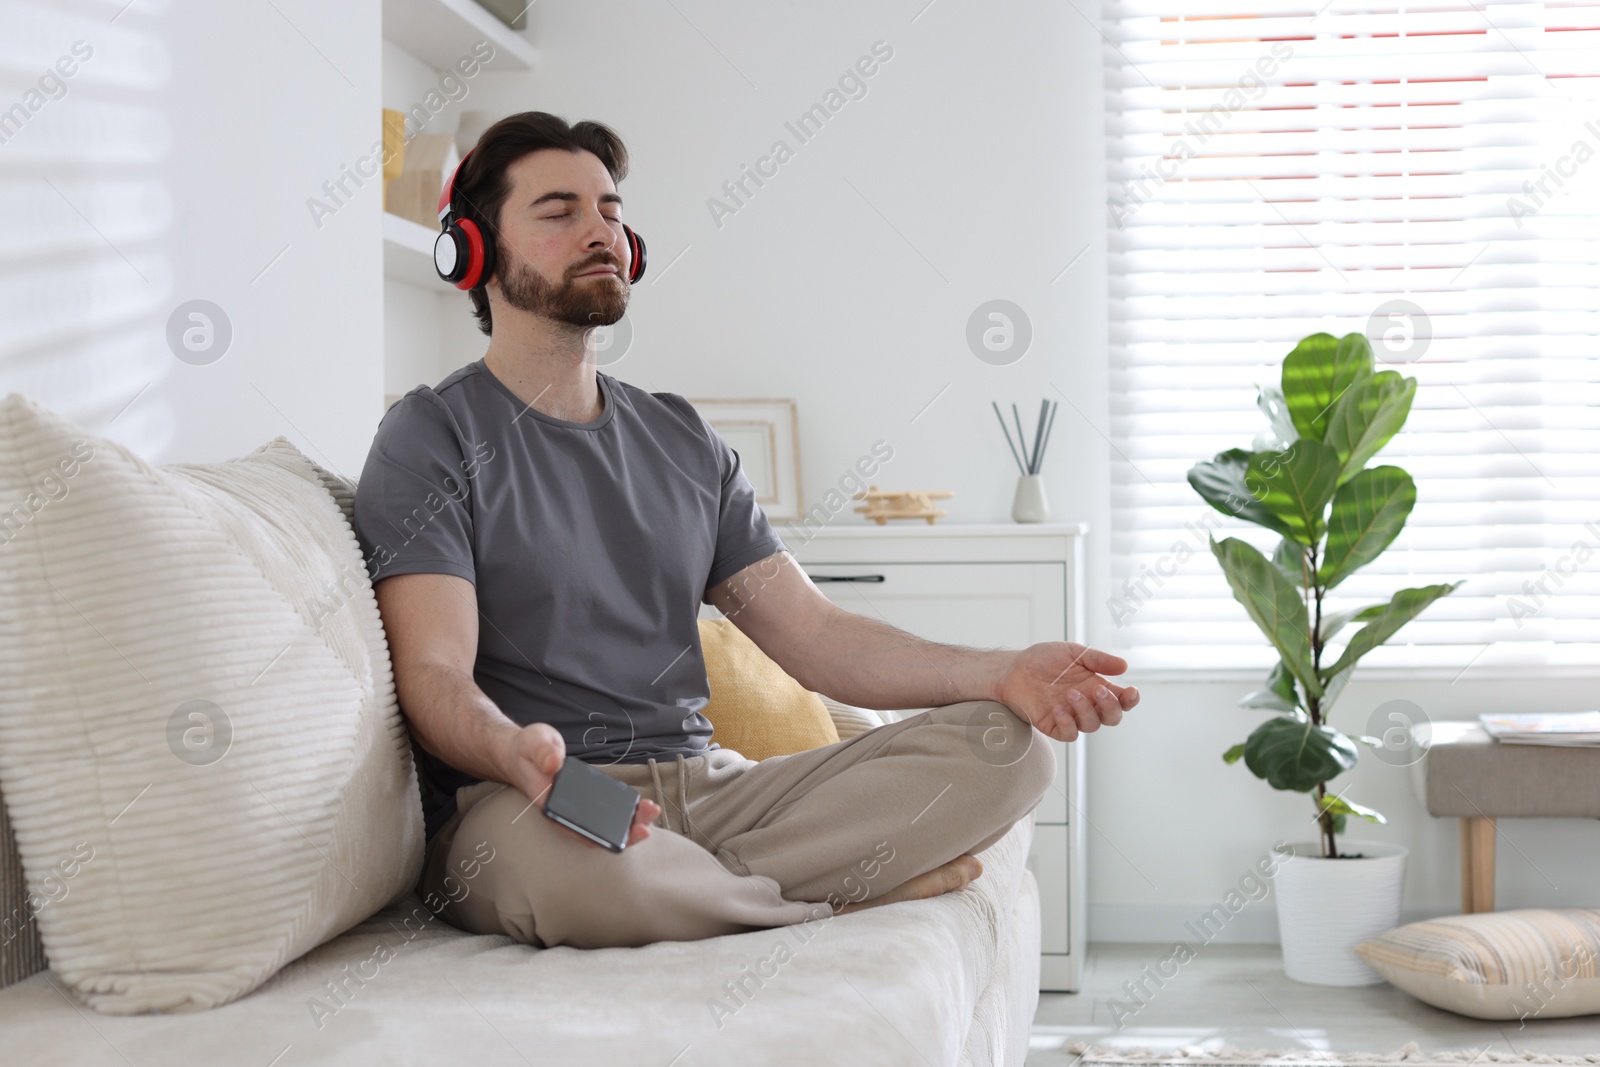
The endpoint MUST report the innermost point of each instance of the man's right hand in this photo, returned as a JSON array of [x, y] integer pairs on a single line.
[[431, 622], [532, 755]]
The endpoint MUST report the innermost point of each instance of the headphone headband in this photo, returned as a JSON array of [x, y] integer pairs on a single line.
[[464, 254], [447, 195]]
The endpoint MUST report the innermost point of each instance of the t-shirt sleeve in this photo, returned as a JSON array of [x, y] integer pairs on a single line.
[[744, 536], [413, 509]]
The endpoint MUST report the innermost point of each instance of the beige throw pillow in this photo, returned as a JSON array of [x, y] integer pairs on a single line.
[[1535, 963], [200, 748]]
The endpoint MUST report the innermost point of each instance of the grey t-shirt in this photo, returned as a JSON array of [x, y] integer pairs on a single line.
[[591, 546]]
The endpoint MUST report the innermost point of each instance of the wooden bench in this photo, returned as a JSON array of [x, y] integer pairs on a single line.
[[1468, 775]]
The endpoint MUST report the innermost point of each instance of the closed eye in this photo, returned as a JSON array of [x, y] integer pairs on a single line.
[[568, 214]]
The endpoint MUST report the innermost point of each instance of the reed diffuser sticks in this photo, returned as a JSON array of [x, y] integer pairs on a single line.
[[1041, 435]]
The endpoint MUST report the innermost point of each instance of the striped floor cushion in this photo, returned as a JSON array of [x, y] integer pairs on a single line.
[[1534, 963]]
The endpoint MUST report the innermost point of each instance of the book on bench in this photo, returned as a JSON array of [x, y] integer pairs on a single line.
[[1545, 728]]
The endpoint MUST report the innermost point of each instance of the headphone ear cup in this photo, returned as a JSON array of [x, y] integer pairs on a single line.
[[636, 252], [471, 271], [449, 253], [491, 257]]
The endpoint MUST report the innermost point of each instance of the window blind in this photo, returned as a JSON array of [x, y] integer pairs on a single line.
[[1428, 175], [85, 282]]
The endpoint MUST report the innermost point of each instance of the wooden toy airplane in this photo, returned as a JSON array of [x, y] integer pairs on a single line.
[[882, 506]]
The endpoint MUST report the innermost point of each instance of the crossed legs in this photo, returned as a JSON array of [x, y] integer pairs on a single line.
[[890, 814]]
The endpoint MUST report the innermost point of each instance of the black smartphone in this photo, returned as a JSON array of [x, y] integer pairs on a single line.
[[592, 803]]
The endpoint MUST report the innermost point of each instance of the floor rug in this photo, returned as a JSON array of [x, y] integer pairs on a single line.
[[1410, 1055]]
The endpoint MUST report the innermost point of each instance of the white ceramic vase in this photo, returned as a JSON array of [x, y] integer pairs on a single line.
[[1328, 906], [1029, 505]]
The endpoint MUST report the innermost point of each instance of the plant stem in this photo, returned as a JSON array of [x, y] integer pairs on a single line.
[[1316, 619], [1330, 847], [1325, 825]]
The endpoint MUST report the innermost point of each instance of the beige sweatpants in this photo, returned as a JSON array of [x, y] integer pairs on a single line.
[[741, 844]]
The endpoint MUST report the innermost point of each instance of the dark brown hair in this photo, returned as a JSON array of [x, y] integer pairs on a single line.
[[483, 185]]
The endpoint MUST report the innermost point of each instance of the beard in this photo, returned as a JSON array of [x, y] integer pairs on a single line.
[[576, 302]]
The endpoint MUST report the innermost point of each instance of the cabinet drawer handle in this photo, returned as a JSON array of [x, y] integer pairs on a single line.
[[845, 577]]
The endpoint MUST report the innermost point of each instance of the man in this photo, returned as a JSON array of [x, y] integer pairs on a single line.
[[541, 536]]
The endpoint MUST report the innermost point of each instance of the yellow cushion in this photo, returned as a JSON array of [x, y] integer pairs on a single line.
[[756, 709]]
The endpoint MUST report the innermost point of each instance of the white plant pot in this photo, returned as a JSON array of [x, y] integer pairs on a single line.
[[1326, 907]]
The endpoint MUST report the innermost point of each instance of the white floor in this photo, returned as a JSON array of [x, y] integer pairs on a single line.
[[1237, 995]]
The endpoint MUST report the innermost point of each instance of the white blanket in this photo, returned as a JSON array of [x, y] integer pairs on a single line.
[[948, 981]]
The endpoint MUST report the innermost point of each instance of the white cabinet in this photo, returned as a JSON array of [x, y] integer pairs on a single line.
[[984, 586]]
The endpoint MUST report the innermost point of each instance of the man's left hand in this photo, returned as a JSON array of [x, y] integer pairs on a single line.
[[1059, 688]]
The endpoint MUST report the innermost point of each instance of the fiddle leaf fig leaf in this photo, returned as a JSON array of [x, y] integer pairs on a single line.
[[1269, 398], [1221, 483], [1281, 682], [1265, 700], [1331, 691], [1341, 806], [1282, 685], [1278, 695], [1295, 485], [1272, 603], [1297, 756], [1365, 418], [1406, 605], [1233, 754], [1290, 556], [1320, 370], [1335, 621], [1369, 511]]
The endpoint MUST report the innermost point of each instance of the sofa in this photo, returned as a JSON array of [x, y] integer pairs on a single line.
[[342, 962]]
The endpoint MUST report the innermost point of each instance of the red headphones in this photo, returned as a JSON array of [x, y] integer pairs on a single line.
[[464, 255]]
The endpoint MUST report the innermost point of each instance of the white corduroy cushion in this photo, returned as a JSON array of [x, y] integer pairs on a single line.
[[156, 619], [849, 720]]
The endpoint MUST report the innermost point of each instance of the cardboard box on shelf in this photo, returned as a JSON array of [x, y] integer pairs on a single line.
[[394, 144], [430, 159], [471, 126]]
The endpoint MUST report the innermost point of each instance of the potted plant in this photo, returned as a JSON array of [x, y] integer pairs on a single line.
[[1311, 485]]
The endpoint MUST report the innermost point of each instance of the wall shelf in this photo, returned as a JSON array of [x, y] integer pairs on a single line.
[[439, 32], [408, 254], [423, 337]]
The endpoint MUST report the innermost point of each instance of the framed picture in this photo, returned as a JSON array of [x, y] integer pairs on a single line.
[[766, 435]]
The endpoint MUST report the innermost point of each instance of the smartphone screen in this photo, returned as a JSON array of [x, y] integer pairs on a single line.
[[592, 803]]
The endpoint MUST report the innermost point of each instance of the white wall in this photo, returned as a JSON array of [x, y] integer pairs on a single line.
[[242, 111], [980, 142], [1175, 828]]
